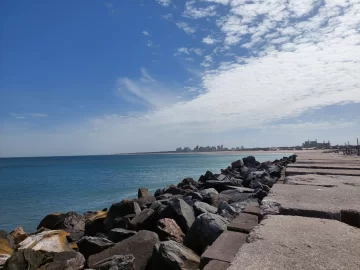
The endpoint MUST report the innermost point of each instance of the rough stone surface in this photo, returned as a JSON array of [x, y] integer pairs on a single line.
[[145, 202], [300, 243], [224, 248], [208, 191], [116, 262], [181, 212], [95, 223], [118, 234], [225, 210], [143, 192], [65, 260], [89, 245], [243, 223], [119, 210], [167, 229], [204, 231], [70, 222], [48, 241], [216, 199], [18, 235], [140, 245], [201, 208], [173, 255], [217, 265], [144, 220]]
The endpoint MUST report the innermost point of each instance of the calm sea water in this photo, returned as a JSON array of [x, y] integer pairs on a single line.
[[31, 188]]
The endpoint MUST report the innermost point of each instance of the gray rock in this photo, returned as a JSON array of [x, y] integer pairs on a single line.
[[140, 245], [250, 161], [172, 189], [65, 260], [237, 164], [204, 231], [173, 255], [119, 210], [144, 220], [216, 199], [201, 208], [188, 182], [145, 202], [143, 192], [116, 262], [123, 222], [181, 212], [208, 191], [227, 211], [194, 195], [118, 234], [89, 245], [167, 229], [70, 222], [235, 195]]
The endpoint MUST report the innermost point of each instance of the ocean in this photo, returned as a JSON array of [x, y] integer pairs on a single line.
[[31, 188]]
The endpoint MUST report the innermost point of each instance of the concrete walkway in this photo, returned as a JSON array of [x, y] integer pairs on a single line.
[[312, 218]]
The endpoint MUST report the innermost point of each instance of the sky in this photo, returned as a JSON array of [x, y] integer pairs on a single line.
[[102, 77]]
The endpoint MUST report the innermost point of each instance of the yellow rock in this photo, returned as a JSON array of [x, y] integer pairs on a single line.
[[18, 235], [95, 215], [49, 241], [5, 249]]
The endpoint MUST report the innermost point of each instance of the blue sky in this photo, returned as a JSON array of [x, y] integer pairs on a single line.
[[102, 77]]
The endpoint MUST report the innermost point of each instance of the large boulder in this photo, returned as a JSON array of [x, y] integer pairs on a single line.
[[18, 235], [172, 189], [70, 222], [140, 245], [175, 256], [5, 250], [207, 176], [204, 231], [123, 222], [250, 161], [208, 191], [48, 241], [227, 211], [188, 183], [145, 202], [144, 220], [89, 245], [167, 229], [237, 164], [37, 259], [181, 212], [119, 210], [118, 234], [116, 262], [143, 192], [216, 199], [65, 260], [201, 208]]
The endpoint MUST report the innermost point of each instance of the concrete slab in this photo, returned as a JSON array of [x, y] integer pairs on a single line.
[[224, 248], [300, 243], [299, 171], [325, 166], [243, 223], [309, 198], [217, 265], [253, 208], [242, 189]]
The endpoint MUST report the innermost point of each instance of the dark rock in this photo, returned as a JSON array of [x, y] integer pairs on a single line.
[[235, 195], [227, 211], [201, 208], [216, 199], [172, 189], [70, 222], [102, 235], [140, 245], [118, 234], [95, 225], [157, 193], [144, 220], [143, 192], [89, 245], [188, 182], [173, 255], [157, 206], [119, 210], [208, 176], [165, 196], [250, 161], [123, 222], [65, 260], [189, 200], [204, 231], [116, 262], [189, 188], [237, 164], [167, 229], [181, 212], [145, 202], [208, 191]]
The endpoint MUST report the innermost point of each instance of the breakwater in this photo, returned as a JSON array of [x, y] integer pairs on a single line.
[[170, 229]]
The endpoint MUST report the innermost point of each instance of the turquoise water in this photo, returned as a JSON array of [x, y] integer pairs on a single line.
[[31, 188]]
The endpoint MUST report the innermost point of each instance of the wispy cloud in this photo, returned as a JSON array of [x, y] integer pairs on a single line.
[[191, 11], [209, 40], [145, 33], [188, 51], [186, 27], [164, 3], [28, 115]]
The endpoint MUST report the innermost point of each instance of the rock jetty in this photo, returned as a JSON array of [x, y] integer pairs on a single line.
[[170, 229]]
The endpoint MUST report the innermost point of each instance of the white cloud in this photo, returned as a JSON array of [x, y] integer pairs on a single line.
[[26, 115], [196, 13], [223, 2], [185, 50], [209, 40], [186, 27], [145, 33], [164, 3]]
